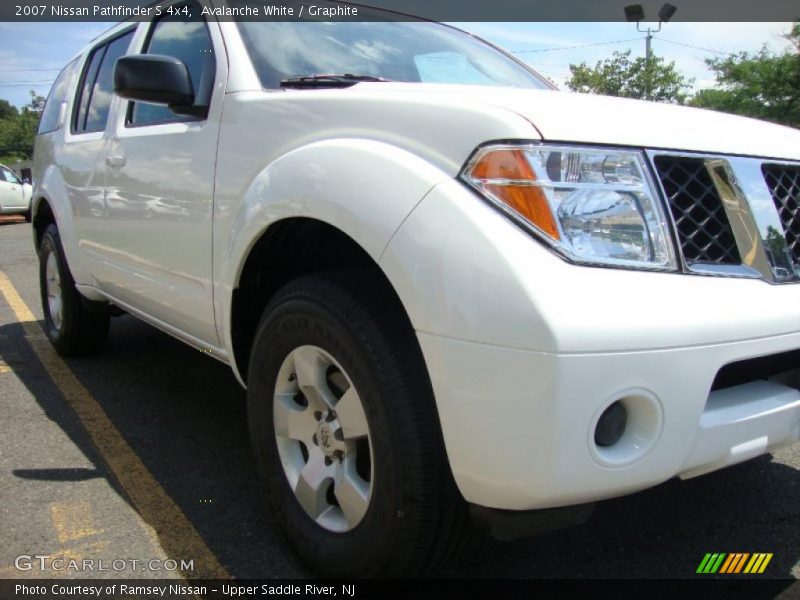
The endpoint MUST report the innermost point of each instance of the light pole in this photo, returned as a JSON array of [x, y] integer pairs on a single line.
[[635, 13]]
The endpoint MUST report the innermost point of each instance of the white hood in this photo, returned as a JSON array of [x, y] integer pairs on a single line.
[[587, 118]]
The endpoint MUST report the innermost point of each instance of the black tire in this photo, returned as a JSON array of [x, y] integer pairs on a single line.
[[28, 216], [84, 325], [416, 518]]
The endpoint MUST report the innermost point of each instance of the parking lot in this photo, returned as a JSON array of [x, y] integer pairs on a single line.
[[141, 454]]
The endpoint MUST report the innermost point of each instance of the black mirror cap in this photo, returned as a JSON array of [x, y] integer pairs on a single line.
[[154, 78]]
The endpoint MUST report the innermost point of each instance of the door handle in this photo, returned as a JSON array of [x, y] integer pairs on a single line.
[[116, 161]]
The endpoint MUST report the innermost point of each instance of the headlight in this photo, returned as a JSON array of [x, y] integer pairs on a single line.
[[594, 205]]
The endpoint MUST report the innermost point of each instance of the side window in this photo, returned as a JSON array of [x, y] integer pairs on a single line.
[[10, 176], [89, 77], [188, 39], [2, 176], [57, 96], [97, 88]]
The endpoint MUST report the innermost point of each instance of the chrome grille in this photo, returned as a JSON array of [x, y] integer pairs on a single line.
[[704, 231], [783, 182]]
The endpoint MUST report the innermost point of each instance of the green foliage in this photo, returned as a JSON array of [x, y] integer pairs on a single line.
[[18, 129], [7, 110], [619, 75], [763, 85]]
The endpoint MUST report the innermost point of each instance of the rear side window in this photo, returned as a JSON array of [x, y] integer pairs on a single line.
[[57, 96], [97, 88], [188, 39], [89, 77]]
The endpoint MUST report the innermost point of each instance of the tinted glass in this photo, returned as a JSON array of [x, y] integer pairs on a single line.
[[400, 51], [89, 77], [57, 96], [188, 39], [102, 92]]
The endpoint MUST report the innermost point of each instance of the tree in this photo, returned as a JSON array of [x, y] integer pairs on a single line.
[[18, 128], [652, 79], [36, 103], [7, 110], [763, 85]]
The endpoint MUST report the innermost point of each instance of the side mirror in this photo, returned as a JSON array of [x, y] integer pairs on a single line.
[[158, 80]]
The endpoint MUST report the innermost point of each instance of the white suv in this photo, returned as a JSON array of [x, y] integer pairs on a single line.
[[450, 290]]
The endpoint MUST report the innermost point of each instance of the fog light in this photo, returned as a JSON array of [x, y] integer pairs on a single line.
[[611, 425]]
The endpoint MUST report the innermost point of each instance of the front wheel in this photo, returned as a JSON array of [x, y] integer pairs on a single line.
[[346, 434], [71, 323]]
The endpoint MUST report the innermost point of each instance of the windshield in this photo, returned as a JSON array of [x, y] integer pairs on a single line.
[[418, 51]]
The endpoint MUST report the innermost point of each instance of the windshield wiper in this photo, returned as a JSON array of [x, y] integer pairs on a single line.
[[328, 81]]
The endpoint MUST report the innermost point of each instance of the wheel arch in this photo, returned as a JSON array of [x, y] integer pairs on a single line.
[[42, 215], [51, 202], [288, 249]]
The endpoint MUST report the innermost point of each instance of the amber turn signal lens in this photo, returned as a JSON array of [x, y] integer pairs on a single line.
[[507, 175], [505, 163], [530, 202]]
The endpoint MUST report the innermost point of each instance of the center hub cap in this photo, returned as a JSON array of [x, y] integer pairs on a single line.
[[329, 442], [325, 437]]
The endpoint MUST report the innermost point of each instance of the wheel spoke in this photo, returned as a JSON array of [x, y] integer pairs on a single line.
[[55, 311], [311, 486], [350, 413], [293, 421], [352, 493], [53, 282], [310, 368]]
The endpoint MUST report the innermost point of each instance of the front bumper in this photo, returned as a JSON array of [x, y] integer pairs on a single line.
[[525, 351], [519, 425]]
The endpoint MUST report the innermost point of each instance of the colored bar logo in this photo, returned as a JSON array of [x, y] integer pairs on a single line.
[[734, 563]]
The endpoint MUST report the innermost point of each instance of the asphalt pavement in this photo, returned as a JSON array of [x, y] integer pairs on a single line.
[[141, 453]]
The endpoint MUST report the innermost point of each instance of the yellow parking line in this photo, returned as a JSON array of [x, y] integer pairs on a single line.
[[73, 521], [176, 535]]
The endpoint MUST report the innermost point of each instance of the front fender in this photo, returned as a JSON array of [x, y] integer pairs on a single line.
[[362, 187]]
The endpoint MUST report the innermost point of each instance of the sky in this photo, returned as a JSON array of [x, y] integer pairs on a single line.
[[549, 47], [31, 54]]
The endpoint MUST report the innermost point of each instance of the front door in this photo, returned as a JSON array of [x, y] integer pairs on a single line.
[[160, 185]]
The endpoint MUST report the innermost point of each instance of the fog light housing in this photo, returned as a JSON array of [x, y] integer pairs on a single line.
[[611, 425]]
